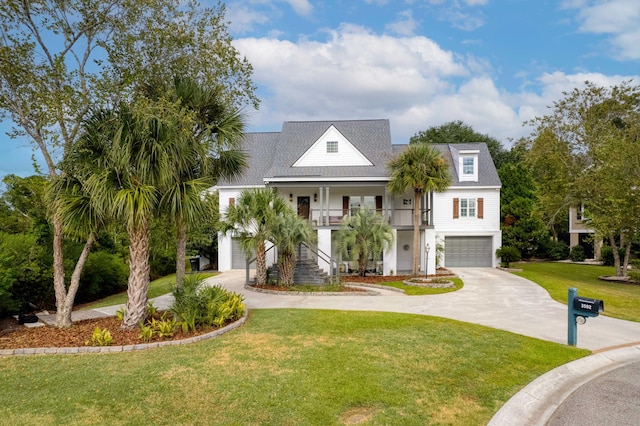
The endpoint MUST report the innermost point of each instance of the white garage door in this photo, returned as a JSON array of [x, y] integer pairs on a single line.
[[468, 251]]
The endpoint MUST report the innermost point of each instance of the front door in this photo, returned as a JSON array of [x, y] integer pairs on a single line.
[[303, 207]]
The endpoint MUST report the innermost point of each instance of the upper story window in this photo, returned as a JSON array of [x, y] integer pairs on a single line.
[[467, 207], [580, 212], [332, 146], [468, 166]]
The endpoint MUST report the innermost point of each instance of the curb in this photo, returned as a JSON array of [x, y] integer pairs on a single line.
[[127, 348], [535, 403]]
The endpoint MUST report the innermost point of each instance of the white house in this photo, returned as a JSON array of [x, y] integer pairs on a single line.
[[328, 169]]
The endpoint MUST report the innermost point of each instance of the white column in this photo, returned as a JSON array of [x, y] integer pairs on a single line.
[[324, 245]]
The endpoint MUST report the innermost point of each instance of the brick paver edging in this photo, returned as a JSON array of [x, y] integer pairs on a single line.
[[127, 348], [313, 293]]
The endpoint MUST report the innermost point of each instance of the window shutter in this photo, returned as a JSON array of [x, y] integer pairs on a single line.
[[456, 208], [480, 208], [232, 201]]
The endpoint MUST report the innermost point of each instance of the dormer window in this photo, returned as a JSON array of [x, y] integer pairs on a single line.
[[468, 165], [332, 146]]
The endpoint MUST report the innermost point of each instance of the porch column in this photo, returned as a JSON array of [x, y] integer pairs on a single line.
[[324, 245], [321, 218], [328, 204]]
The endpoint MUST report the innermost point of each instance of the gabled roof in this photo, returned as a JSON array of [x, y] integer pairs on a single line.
[[271, 155]]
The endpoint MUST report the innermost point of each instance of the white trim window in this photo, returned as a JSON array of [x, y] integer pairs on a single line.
[[332, 147], [468, 166], [468, 207]]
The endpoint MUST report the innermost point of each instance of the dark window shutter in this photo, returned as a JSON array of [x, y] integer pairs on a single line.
[[480, 208], [456, 208], [232, 201]]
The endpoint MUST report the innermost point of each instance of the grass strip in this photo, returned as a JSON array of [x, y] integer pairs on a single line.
[[621, 300]]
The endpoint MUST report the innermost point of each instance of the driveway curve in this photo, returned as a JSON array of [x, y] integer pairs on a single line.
[[490, 297]]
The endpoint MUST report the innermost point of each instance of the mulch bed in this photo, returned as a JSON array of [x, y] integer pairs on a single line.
[[78, 334]]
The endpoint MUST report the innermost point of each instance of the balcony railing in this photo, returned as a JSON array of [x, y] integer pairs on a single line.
[[397, 217]]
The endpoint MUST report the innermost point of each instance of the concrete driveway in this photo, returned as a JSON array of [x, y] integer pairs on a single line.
[[489, 297]]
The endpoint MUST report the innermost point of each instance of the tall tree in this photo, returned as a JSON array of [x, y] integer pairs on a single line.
[[420, 168], [210, 151], [362, 235], [252, 219], [459, 132], [589, 145], [57, 59]]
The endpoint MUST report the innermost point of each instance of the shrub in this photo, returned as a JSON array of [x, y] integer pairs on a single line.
[[606, 255], [100, 337], [104, 274], [634, 275], [508, 254], [577, 254], [558, 250], [196, 305]]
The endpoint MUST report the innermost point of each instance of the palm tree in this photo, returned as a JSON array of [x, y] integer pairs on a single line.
[[209, 151], [252, 219], [362, 235], [130, 155], [421, 168], [81, 219], [289, 232]]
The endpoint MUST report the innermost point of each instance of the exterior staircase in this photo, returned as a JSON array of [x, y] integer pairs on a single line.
[[306, 270]]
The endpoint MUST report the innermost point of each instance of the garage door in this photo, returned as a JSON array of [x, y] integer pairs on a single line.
[[468, 251], [238, 256]]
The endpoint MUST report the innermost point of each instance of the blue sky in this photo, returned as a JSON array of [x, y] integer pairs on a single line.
[[420, 63]]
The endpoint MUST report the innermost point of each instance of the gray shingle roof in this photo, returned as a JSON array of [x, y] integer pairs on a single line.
[[272, 154], [487, 173]]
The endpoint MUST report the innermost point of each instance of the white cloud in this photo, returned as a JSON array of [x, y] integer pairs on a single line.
[[244, 19], [356, 74], [301, 7], [618, 18], [404, 24]]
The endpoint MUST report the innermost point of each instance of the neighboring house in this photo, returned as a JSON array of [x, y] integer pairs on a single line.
[[581, 235], [329, 169]]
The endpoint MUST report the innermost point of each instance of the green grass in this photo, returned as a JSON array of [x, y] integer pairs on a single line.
[[412, 290], [289, 367], [620, 300], [157, 288]]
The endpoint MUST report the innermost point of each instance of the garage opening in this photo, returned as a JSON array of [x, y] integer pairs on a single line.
[[468, 251]]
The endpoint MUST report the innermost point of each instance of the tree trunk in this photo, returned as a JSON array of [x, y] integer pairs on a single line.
[[616, 254], [416, 232], [181, 248], [63, 319], [63, 316], [362, 264], [286, 267], [261, 264], [138, 286]]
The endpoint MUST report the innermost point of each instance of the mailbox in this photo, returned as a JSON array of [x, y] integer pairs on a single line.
[[585, 306]]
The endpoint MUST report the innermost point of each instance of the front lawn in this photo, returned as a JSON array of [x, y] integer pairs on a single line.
[[289, 367], [620, 300]]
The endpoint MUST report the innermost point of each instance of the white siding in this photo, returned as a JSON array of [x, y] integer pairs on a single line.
[[445, 225]]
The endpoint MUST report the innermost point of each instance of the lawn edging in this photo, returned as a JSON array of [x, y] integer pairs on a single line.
[[314, 293], [126, 348]]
